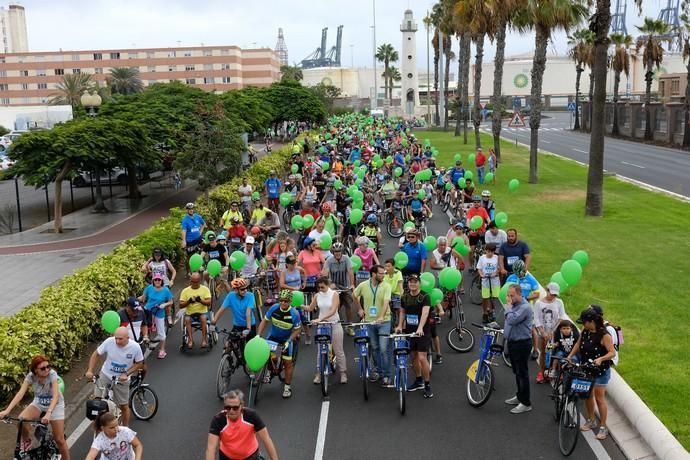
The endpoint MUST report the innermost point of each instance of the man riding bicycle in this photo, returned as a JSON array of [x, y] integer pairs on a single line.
[[214, 251], [477, 235], [241, 303], [228, 216], [285, 329], [417, 209], [488, 203]]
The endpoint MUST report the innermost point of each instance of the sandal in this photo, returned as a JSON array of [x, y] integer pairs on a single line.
[[588, 425], [602, 434]]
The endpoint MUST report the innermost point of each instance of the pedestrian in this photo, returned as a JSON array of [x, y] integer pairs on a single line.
[[479, 161], [518, 333], [548, 313], [234, 432], [48, 400], [114, 442], [511, 251], [493, 163]]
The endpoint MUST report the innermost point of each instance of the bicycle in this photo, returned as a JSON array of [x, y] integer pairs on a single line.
[[143, 400], [480, 376], [394, 220], [288, 214], [401, 352], [270, 370], [459, 338], [578, 384], [47, 447], [231, 360], [325, 364], [476, 292], [363, 358]]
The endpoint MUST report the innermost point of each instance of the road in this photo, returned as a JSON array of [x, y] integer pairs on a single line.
[[661, 167], [444, 427]]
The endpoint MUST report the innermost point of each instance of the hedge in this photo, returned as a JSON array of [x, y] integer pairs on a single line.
[[67, 316]]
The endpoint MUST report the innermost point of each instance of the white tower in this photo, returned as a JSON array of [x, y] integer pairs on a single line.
[[408, 67], [13, 30]]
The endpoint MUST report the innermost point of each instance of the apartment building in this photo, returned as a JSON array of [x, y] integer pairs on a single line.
[[32, 78], [13, 35]]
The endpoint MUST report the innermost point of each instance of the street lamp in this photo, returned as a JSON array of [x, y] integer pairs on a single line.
[[91, 102]]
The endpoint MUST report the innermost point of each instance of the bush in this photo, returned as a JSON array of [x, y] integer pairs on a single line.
[[67, 316]]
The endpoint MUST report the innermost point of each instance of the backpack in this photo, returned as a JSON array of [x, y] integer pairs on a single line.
[[617, 337]]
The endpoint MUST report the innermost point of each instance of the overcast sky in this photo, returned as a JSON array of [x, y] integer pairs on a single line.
[[92, 24]]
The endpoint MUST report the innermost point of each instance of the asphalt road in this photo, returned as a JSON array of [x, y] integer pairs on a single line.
[[661, 167], [444, 427]]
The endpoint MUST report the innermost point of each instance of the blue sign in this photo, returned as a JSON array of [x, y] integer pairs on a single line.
[[485, 112], [571, 107], [517, 103]]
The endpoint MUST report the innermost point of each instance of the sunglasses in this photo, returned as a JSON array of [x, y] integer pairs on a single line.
[[284, 301], [232, 407], [43, 368], [242, 289], [157, 281]]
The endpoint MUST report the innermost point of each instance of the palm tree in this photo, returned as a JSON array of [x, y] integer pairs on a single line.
[[433, 20], [684, 38], [449, 56], [70, 90], [579, 52], [655, 34], [392, 76], [620, 63], [387, 54], [125, 80], [545, 16], [290, 73]]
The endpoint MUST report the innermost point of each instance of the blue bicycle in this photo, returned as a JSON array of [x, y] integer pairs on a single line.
[[480, 376], [363, 358], [401, 352], [326, 358]]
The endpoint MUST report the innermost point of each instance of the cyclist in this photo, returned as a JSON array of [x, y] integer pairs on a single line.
[[488, 203], [387, 190], [309, 193], [157, 300], [440, 184], [292, 277], [416, 253], [48, 400], [331, 223], [372, 231], [477, 235], [456, 174], [270, 223], [487, 267], [285, 329], [245, 191], [414, 318], [133, 317], [370, 207], [196, 298], [272, 187], [228, 216], [564, 338], [416, 208], [468, 192], [241, 303], [113, 441], [311, 259], [259, 211], [528, 283], [236, 234], [214, 251], [193, 226], [159, 264], [513, 250], [367, 254], [339, 270], [394, 279], [123, 359], [496, 236], [253, 256]]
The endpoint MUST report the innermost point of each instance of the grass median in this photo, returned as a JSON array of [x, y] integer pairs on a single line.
[[639, 262]]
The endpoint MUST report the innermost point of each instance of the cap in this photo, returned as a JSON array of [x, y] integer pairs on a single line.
[[221, 237], [411, 230], [307, 241], [553, 288], [413, 276], [589, 314], [249, 239], [157, 276], [597, 309], [132, 301]]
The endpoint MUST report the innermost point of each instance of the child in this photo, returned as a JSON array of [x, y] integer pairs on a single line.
[[548, 311], [491, 284], [565, 337], [113, 441]]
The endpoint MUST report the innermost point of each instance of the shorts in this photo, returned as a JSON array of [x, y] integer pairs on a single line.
[[57, 414], [120, 391], [196, 316], [288, 352], [603, 379], [492, 291], [346, 300], [558, 354], [474, 239], [420, 344], [193, 246]]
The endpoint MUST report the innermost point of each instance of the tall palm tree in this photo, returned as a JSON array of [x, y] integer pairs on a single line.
[[684, 38], [449, 56], [290, 73], [125, 80], [579, 52], [655, 34], [393, 76], [70, 90], [545, 16], [387, 54], [433, 20], [620, 63]]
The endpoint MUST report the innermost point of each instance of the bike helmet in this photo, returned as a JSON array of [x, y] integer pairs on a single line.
[[238, 283], [363, 240], [256, 199], [476, 198], [222, 237], [189, 205], [337, 247], [486, 194], [210, 235], [371, 219], [519, 268], [326, 207], [285, 294], [255, 231]]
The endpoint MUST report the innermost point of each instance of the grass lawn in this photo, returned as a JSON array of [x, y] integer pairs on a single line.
[[639, 263]]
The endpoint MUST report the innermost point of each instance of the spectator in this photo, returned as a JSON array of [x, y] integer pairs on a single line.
[[518, 333], [511, 251]]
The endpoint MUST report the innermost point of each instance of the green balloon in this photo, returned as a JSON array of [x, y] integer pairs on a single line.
[[296, 149], [469, 175], [404, 142], [581, 257], [457, 157], [356, 263], [307, 221], [256, 195], [325, 165], [460, 247], [452, 279], [294, 169], [571, 271], [400, 260], [338, 184], [110, 321], [428, 282], [256, 353], [461, 182], [61, 384], [503, 293], [297, 298], [358, 204], [513, 185], [476, 222], [430, 243], [351, 189], [408, 226], [558, 279], [448, 185], [285, 199], [214, 268], [470, 158], [356, 216], [407, 157], [489, 177], [358, 195], [501, 219], [357, 163], [436, 296], [398, 171], [376, 158], [297, 222], [196, 262], [237, 260], [325, 240], [421, 194], [361, 173]]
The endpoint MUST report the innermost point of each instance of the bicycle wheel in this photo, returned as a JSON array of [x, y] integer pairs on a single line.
[[569, 426], [323, 369], [144, 403], [364, 375], [506, 354], [476, 290], [558, 395], [478, 393], [258, 303], [446, 205], [460, 340], [394, 228], [287, 226], [224, 375], [402, 390], [255, 385]]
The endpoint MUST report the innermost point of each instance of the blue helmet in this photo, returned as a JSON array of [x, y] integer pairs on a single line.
[[371, 218]]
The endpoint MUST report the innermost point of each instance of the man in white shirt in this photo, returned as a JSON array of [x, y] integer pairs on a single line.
[[495, 235], [245, 190]]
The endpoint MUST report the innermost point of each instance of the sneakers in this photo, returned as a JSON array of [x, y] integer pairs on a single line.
[[512, 401], [387, 383], [534, 355], [427, 392], [317, 379], [540, 377], [520, 408], [267, 377], [374, 376], [343, 378], [416, 385], [287, 391], [602, 434], [588, 425], [162, 354], [307, 340], [350, 331], [438, 359]]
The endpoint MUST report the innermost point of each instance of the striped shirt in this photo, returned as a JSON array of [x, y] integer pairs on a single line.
[[338, 271]]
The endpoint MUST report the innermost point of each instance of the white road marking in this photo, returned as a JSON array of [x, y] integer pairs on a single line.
[[545, 142], [321, 438], [596, 446], [581, 151], [632, 164], [76, 434]]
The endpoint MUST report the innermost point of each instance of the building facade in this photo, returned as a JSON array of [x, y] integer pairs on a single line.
[[13, 29], [32, 78]]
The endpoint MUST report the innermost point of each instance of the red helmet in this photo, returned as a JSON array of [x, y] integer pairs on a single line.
[[326, 207], [255, 231]]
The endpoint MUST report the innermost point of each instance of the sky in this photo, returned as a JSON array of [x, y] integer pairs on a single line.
[[100, 24]]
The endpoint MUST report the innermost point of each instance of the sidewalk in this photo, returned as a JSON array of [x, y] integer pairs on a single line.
[[32, 260]]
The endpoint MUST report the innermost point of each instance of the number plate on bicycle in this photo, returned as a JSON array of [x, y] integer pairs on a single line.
[[581, 386], [472, 371], [273, 346]]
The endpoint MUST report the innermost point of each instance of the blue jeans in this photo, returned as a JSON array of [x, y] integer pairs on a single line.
[[480, 174], [378, 335]]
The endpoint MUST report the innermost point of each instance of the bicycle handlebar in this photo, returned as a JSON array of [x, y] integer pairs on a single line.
[[393, 336], [488, 327], [9, 419]]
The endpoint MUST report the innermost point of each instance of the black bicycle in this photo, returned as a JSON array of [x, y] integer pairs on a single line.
[[578, 383], [45, 450], [231, 360], [142, 399]]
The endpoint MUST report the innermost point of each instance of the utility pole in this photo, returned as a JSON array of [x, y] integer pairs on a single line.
[[374, 103], [428, 73], [441, 79]]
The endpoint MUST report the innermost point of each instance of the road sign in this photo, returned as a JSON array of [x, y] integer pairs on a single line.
[[517, 121], [571, 107]]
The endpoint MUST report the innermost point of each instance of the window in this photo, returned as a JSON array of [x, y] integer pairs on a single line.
[[409, 38], [641, 120], [41, 73], [208, 80], [660, 120], [225, 67], [3, 73], [679, 124], [409, 56], [150, 54], [59, 71], [98, 70], [25, 86], [114, 55], [208, 66], [2, 59], [188, 53], [624, 116], [226, 80], [225, 52], [75, 57], [151, 68], [191, 81], [409, 75], [5, 101], [76, 70], [208, 52], [172, 68], [675, 87], [662, 88], [23, 73], [133, 55], [4, 87], [27, 100], [171, 54], [43, 86], [189, 67], [97, 56]]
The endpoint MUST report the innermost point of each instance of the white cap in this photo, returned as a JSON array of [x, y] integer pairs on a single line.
[[553, 288], [249, 239]]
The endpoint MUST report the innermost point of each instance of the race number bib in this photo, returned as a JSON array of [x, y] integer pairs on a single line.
[[373, 310], [412, 320], [512, 260], [214, 254], [118, 368], [44, 400]]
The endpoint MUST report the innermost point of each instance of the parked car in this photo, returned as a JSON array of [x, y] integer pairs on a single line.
[[5, 162], [117, 176]]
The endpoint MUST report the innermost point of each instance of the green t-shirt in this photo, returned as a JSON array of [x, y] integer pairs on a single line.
[[388, 190], [372, 305], [393, 281]]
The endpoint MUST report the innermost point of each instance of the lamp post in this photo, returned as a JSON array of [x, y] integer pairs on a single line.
[[91, 102]]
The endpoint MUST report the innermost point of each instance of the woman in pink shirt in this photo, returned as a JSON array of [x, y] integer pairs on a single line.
[[311, 259], [367, 254]]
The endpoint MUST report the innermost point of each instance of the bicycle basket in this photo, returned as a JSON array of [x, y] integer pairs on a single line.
[[361, 334], [95, 407], [401, 345], [582, 384], [323, 333]]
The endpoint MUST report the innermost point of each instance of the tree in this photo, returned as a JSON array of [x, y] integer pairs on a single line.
[[125, 80], [326, 93], [432, 21], [291, 102], [684, 38], [620, 63], [387, 54], [449, 56], [70, 89], [248, 108], [290, 73], [579, 43], [655, 34], [544, 16], [391, 75]]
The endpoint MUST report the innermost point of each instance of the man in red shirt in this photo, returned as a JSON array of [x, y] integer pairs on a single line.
[[307, 208], [479, 161], [236, 234], [476, 235], [234, 432]]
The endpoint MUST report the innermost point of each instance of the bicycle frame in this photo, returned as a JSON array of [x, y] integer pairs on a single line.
[[323, 337], [47, 448]]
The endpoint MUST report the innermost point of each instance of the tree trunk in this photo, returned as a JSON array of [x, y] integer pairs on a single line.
[[648, 76], [458, 91], [478, 62], [594, 205], [541, 41], [616, 85], [591, 96], [578, 71], [686, 125], [437, 115], [100, 205], [132, 183], [385, 78], [447, 40], [466, 84], [498, 80], [57, 202]]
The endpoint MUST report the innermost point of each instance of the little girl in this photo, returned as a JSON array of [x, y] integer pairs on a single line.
[[114, 442]]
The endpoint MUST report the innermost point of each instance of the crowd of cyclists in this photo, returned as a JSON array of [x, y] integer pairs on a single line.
[[311, 251]]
